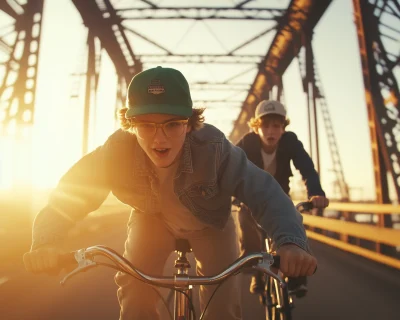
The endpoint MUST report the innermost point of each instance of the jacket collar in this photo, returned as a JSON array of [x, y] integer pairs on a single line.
[[186, 163]]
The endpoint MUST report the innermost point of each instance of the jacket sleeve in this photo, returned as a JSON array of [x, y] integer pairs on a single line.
[[305, 165], [80, 191], [256, 188], [240, 144]]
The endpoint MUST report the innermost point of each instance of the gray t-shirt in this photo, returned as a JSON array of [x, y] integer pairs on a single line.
[[269, 160]]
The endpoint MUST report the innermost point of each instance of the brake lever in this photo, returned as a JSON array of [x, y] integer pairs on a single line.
[[264, 266], [83, 265]]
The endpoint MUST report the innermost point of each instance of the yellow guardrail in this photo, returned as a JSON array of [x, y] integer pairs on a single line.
[[368, 232], [389, 261], [358, 230], [365, 207]]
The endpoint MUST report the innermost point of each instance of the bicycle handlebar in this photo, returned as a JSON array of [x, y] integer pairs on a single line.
[[258, 261], [85, 259]]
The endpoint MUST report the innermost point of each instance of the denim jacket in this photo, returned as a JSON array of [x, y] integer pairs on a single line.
[[210, 172]]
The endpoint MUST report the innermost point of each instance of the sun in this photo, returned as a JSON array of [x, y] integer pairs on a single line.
[[31, 161]]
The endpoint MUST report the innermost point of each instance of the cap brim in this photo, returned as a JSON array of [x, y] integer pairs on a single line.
[[183, 111], [270, 113]]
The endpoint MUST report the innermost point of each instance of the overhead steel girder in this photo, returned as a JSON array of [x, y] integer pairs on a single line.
[[103, 28], [299, 21], [200, 13]]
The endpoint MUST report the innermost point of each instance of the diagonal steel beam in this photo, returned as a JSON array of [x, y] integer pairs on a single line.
[[148, 40], [241, 4], [151, 4], [5, 47], [102, 28], [5, 6], [299, 20], [252, 39]]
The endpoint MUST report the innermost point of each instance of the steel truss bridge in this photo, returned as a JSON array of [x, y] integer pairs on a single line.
[[110, 26]]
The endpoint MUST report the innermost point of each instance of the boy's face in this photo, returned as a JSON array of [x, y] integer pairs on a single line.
[[162, 150], [270, 131]]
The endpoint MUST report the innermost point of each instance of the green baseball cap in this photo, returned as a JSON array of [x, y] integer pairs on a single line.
[[159, 90]]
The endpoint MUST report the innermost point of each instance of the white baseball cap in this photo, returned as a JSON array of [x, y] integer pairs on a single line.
[[270, 107]]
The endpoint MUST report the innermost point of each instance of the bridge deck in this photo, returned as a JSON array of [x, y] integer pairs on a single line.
[[345, 287]]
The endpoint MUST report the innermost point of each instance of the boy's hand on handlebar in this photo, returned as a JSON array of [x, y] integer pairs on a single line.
[[296, 262], [319, 201], [44, 259]]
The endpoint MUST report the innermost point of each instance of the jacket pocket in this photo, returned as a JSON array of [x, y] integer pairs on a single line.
[[207, 202], [204, 191]]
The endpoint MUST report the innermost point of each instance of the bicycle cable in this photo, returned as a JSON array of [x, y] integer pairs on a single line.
[[209, 300], [204, 311], [142, 279], [152, 286], [191, 306]]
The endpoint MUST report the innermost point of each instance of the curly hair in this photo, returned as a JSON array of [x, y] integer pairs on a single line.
[[256, 123], [196, 120]]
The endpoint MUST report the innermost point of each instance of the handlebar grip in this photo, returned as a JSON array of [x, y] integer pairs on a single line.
[[304, 206], [67, 259], [277, 262]]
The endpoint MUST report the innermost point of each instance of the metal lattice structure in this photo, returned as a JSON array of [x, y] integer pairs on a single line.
[[110, 28], [298, 22], [380, 57], [150, 11], [313, 87], [18, 85]]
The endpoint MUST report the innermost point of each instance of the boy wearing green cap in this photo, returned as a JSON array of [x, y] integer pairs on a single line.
[[178, 174]]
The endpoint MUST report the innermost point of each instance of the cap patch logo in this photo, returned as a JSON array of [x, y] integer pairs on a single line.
[[155, 87], [269, 107]]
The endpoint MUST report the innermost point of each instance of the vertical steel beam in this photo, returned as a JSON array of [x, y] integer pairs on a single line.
[[364, 19], [17, 107], [365, 52], [382, 120], [18, 91], [90, 84], [310, 89]]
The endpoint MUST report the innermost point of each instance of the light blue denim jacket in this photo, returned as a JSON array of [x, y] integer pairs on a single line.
[[211, 171]]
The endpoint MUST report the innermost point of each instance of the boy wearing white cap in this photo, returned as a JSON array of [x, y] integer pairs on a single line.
[[272, 148]]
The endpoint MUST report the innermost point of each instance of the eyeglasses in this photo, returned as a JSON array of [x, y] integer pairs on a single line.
[[172, 129]]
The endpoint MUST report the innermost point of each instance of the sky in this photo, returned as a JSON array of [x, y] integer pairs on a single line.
[[58, 119]]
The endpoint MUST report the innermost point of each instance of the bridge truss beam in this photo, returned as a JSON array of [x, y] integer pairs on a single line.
[[299, 20], [18, 85], [381, 90]]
